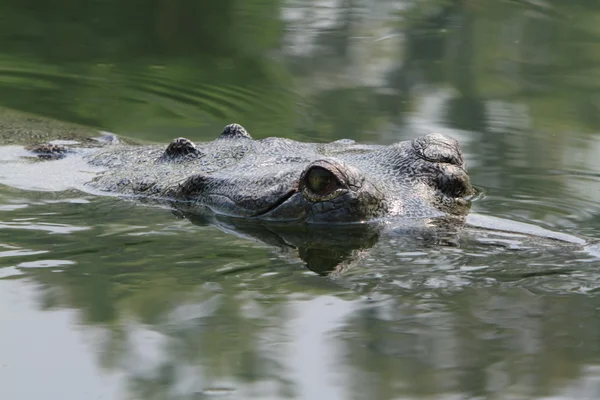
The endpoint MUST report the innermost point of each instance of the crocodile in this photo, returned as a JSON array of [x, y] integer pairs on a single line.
[[327, 202], [283, 180]]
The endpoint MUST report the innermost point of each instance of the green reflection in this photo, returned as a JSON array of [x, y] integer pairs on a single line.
[[412, 318]]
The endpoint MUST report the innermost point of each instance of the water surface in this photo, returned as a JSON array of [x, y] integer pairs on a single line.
[[106, 298]]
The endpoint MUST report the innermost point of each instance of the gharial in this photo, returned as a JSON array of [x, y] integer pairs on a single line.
[[277, 190], [278, 179]]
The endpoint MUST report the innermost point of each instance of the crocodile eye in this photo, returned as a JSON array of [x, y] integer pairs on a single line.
[[321, 181]]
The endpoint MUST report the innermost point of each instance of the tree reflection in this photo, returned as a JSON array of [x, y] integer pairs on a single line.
[[413, 317], [209, 312], [479, 342]]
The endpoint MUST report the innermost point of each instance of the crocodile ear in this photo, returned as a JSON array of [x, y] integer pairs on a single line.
[[234, 131], [181, 149]]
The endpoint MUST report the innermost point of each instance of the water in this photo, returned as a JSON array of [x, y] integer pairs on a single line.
[[106, 298]]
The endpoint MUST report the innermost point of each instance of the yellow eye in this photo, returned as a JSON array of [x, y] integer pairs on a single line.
[[320, 181]]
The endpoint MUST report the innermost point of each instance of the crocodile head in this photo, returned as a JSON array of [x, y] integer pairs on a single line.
[[279, 179]]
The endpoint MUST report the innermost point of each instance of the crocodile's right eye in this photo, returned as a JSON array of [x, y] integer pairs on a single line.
[[321, 181]]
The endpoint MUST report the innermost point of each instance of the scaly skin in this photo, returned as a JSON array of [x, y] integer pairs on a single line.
[[277, 179]]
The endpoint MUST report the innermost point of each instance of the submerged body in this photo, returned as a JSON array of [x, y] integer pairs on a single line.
[[277, 179]]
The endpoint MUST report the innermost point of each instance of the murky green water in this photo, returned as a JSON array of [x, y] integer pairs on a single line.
[[102, 298]]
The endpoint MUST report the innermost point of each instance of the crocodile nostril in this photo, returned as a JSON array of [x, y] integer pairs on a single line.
[[455, 183]]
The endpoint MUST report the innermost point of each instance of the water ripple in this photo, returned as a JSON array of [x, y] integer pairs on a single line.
[[63, 229], [21, 252], [178, 92]]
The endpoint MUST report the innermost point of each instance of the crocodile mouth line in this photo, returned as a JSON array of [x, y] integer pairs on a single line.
[[275, 205]]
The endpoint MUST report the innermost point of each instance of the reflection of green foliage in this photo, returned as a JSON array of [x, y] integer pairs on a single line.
[[185, 67], [226, 309], [200, 289], [347, 112], [546, 59], [145, 66], [174, 67], [139, 30]]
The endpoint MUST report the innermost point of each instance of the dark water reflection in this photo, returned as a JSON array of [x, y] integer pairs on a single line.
[[103, 298]]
